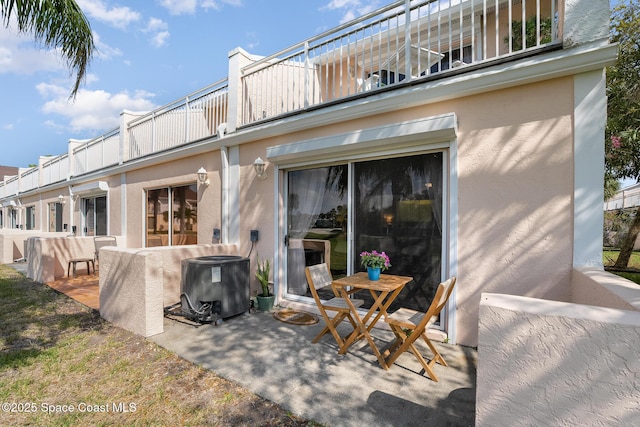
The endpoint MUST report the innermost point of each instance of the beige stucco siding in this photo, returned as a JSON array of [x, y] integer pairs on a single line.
[[175, 173], [515, 182], [514, 195]]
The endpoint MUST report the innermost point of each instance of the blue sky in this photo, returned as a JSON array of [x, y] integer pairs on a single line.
[[148, 54]]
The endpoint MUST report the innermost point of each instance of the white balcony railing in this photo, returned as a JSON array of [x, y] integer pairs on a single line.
[[193, 117], [98, 153], [405, 41], [55, 170], [30, 179], [12, 186]]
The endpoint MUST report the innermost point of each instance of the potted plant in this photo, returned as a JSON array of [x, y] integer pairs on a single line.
[[266, 299], [376, 262]]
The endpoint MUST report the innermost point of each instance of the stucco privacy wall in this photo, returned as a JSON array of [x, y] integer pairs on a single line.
[[597, 287], [553, 363], [136, 284], [48, 257], [12, 244]]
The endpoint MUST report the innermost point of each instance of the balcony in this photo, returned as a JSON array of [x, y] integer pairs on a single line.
[[399, 44], [196, 116]]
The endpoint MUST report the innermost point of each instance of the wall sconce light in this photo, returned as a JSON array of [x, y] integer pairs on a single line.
[[261, 168], [61, 199], [203, 177]]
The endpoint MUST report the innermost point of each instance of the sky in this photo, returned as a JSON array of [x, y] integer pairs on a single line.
[[148, 54]]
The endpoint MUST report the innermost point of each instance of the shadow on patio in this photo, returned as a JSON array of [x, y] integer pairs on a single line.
[[278, 361]]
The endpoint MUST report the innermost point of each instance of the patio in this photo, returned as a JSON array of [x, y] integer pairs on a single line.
[[277, 361]]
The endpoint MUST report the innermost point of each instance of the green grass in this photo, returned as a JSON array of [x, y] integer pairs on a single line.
[[55, 351], [609, 258]]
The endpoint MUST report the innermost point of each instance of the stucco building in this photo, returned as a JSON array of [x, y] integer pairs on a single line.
[[426, 130]]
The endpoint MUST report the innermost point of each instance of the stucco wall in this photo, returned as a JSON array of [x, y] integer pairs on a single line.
[[554, 363], [12, 244], [49, 256], [515, 192], [597, 287], [176, 173], [136, 284]]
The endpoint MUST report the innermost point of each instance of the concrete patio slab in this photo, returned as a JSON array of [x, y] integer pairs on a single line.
[[278, 361]]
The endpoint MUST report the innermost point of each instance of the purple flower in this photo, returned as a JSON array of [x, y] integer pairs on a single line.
[[375, 259], [616, 141]]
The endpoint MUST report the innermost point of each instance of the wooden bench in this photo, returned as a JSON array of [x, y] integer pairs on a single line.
[[89, 261]]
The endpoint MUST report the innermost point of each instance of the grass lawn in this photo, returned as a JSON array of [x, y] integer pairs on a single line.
[[61, 364], [609, 258]]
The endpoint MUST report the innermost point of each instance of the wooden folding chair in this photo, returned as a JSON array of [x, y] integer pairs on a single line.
[[318, 277], [408, 325]]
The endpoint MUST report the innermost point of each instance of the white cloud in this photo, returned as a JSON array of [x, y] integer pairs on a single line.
[[19, 54], [189, 7], [352, 8], [118, 17], [159, 32], [103, 50], [180, 7], [96, 110], [160, 39]]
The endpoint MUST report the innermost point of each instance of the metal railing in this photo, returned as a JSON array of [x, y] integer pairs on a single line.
[[193, 117], [97, 153], [404, 41]]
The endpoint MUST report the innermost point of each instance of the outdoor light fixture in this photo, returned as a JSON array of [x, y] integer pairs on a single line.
[[260, 167], [61, 199], [202, 177]]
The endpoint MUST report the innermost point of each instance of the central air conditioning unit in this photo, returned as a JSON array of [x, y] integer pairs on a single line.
[[213, 288]]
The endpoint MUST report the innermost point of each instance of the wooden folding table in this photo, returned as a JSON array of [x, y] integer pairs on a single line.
[[383, 291]]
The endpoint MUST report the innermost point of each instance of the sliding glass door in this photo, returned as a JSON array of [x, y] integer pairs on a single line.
[[392, 204], [316, 223], [398, 209]]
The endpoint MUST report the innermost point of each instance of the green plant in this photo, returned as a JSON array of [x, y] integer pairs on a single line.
[[262, 274], [375, 259], [531, 35]]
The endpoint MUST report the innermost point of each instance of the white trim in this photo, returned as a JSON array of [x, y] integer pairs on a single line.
[[590, 117], [224, 196], [123, 208], [404, 134], [9, 203], [404, 138], [233, 194], [97, 187], [452, 238]]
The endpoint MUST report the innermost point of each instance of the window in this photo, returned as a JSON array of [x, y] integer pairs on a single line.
[[31, 218], [55, 216], [179, 229], [94, 212], [13, 218]]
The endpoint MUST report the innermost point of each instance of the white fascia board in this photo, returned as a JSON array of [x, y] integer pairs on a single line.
[[404, 134]]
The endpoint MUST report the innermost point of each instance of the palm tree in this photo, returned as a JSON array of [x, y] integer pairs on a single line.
[[58, 24]]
